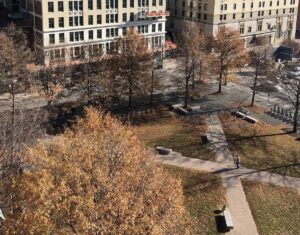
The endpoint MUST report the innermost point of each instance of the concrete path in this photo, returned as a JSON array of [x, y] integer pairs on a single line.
[[226, 171], [237, 203], [217, 139], [236, 200]]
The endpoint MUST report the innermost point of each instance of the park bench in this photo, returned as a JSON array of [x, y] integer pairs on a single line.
[[240, 114], [162, 150], [251, 119], [228, 219], [182, 111], [243, 110]]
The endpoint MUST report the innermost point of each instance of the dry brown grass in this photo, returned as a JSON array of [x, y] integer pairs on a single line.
[[276, 210], [203, 193], [181, 133], [262, 146], [232, 78]]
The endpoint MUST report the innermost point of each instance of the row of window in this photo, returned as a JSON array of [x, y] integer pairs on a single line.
[[223, 17], [259, 28], [259, 14], [77, 5], [261, 4], [94, 50], [110, 33], [78, 20]]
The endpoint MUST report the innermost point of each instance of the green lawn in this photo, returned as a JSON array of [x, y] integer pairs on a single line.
[[276, 210], [203, 194], [181, 133], [262, 146]]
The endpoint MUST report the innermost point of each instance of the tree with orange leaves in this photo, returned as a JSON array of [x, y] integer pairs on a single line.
[[96, 178]]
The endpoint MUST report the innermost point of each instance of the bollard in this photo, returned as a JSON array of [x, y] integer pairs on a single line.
[[278, 109]]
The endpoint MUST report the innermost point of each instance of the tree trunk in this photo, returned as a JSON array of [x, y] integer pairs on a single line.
[[295, 126], [130, 93], [220, 82], [254, 90], [152, 88], [186, 92], [130, 84]]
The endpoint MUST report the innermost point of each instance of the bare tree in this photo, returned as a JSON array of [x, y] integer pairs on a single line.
[[262, 67], [191, 46], [15, 55], [291, 85], [228, 49], [133, 62]]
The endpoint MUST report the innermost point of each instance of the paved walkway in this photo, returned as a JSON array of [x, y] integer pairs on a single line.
[[218, 141], [243, 221], [226, 171]]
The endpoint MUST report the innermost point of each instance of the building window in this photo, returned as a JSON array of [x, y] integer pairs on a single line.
[[50, 7], [51, 23], [52, 38], [160, 2], [153, 3], [70, 6], [233, 16], [61, 22], [90, 4], [159, 27], [71, 22], [60, 6], [153, 28], [90, 20], [124, 4], [131, 3], [131, 17], [99, 33], [124, 17], [249, 29], [91, 34], [242, 28], [61, 38], [124, 30], [259, 26], [98, 4], [205, 16], [99, 19], [71, 37]]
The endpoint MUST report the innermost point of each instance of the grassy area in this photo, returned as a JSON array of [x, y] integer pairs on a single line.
[[181, 133], [276, 210], [203, 194], [262, 146]]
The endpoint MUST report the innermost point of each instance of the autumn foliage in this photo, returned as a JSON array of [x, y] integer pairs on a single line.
[[96, 178]]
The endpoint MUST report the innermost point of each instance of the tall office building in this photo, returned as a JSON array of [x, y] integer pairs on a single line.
[[72, 28], [274, 20]]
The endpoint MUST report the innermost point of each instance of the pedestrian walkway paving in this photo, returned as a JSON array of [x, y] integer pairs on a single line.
[[243, 220], [228, 171], [217, 139]]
